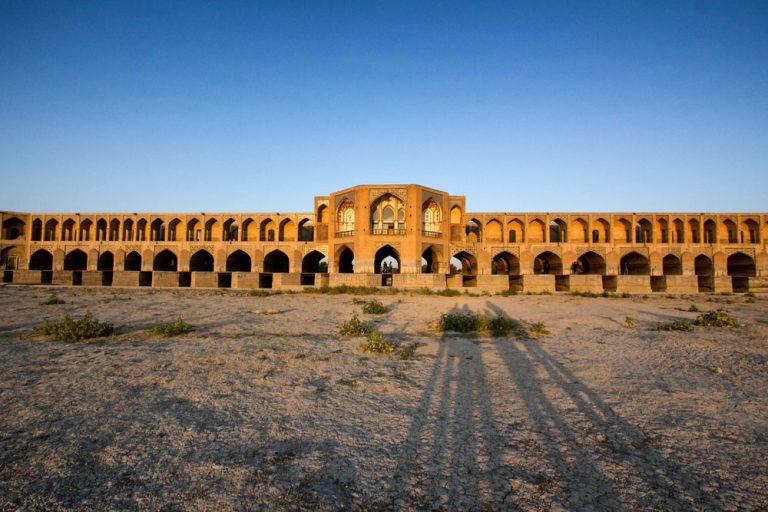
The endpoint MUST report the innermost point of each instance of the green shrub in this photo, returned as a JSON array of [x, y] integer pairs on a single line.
[[498, 325], [351, 290], [70, 329], [406, 352], [376, 344], [354, 327], [677, 325], [168, 329], [448, 292], [717, 318], [263, 293], [693, 308], [539, 328], [52, 301], [629, 321], [374, 307], [626, 295], [508, 293], [459, 322]]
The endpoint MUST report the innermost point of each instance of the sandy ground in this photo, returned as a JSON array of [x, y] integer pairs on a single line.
[[258, 411]]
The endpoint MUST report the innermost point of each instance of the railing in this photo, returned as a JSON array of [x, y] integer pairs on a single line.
[[432, 234], [342, 234], [388, 231]]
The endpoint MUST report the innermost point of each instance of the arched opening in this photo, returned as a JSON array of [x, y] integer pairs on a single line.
[[644, 232], [662, 230], [548, 263], [388, 216], [268, 230], [705, 272], [346, 261], [515, 231], [671, 265], [729, 233], [463, 263], [194, 230], [741, 265], [505, 263], [50, 230], [101, 230], [128, 230], [133, 261], [165, 261], [432, 217], [276, 261], [287, 231], [702, 266], [106, 262], [601, 230], [249, 231], [41, 260], [76, 260], [750, 232], [141, 230], [322, 214], [68, 230], [157, 231], [634, 264], [37, 230], [387, 261], [694, 231], [114, 230], [557, 231], [710, 236], [578, 231], [493, 231], [472, 231], [13, 228], [231, 230], [213, 231], [201, 261], [430, 261], [535, 231], [314, 262], [678, 231], [345, 217], [238, 261], [86, 230], [590, 263], [306, 230], [622, 231]]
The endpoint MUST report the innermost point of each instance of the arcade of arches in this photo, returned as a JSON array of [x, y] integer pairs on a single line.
[[399, 235]]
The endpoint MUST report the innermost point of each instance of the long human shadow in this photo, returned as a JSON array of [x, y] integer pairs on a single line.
[[665, 484], [452, 455]]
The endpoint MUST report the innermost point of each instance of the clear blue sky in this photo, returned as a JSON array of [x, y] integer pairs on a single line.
[[259, 106]]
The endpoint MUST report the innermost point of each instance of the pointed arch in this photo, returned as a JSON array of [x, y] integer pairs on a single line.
[[157, 231], [76, 260], [671, 265], [505, 263], [547, 262], [346, 260], [464, 263], [515, 231], [634, 264], [430, 260], [166, 261], [287, 230], [132, 261], [41, 260], [276, 261], [238, 261], [201, 261], [314, 262], [578, 231], [591, 263], [68, 230], [114, 230], [741, 265], [306, 230], [535, 231], [387, 255], [493, 231], [268, 230], [106, 262], [431, 216], [51, 227]]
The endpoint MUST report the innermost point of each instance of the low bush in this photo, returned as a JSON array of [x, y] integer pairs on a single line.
[[263, 293], [354, 327], [717, 318], [168, 329], [406, 352], [351, 290], [539, 328], [499, 325], [508, 293], [374, 307], [629, 321], [52, 300], [448, 292], [70, 329], [693, 308], [677, 325], [376, 344]]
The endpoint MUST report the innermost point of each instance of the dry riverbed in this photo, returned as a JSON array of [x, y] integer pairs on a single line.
[[265, 407]]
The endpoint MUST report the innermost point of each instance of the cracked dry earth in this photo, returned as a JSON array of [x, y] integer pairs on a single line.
[[277, 412]]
